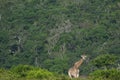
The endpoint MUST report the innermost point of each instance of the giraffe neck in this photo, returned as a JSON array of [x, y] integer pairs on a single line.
[[78, 63]]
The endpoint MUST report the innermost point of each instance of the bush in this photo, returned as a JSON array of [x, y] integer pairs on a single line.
[[111, 74], [7, 75], [39, 73], [105, 60], [30, 72], [22, 70]]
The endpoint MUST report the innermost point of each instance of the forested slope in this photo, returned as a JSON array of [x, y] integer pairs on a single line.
[[53, 34]]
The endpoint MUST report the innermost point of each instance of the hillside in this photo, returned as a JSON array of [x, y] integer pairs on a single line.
[[53, 34]]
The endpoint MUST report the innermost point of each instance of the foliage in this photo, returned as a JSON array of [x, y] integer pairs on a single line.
[[34, 73], [52, 34], [110, 74], [22, 70], [26, 72], [7, 75], [40, 73], [105, 61]]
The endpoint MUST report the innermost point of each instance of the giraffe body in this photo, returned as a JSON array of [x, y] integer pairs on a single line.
[[73, 72]]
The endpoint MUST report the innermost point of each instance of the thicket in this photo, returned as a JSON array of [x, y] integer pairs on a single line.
[[52, 34], [27, 72], [110, 74], [105, 68]]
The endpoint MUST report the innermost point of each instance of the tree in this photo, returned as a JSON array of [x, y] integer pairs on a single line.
[[105, 61]]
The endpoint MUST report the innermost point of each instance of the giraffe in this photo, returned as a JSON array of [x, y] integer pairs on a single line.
[[74, 71]]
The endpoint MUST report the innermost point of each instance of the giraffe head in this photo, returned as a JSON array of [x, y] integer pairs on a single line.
[[83, 57]]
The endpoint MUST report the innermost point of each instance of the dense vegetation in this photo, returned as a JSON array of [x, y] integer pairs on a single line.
[[26, 72], [52, 35]]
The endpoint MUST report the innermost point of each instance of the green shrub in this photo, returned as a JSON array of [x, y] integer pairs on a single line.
[[111, 74], [105, 60], [7, 75], [22, 70], [39, 73], [63, 77]]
